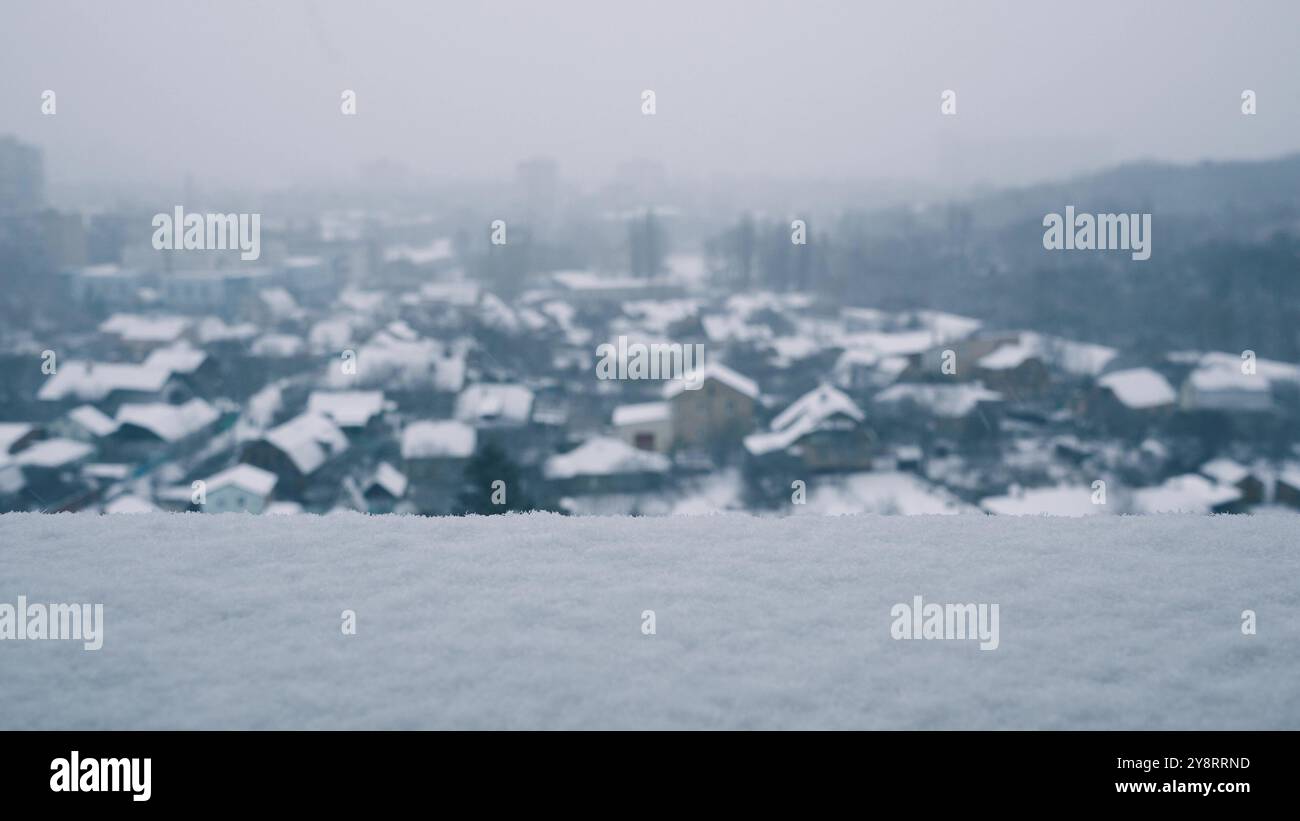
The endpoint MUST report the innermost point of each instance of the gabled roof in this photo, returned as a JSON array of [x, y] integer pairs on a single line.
[[136, 328], [247, 477], [494, 403], [95, 421], [53, 453], [389, 479], [92, 381], [348, 409], [805, 415], [12, 432], [309, 440], [432, 440], [719, 372], [170, 423], [1139, 388], [642, 413], [604, 456]]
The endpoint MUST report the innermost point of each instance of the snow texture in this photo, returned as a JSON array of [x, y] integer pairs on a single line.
[[233, 621]]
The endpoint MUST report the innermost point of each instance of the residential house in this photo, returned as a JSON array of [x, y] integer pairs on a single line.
[[715, 415], [1230, 473], [604, 464], [823, 430], [243, 488], [645, 426], [301, 449], [385, 488]]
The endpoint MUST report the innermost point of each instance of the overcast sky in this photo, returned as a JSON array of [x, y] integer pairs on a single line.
[[248, 93]]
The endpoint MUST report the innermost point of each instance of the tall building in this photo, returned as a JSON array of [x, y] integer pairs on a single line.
[[22, 177]]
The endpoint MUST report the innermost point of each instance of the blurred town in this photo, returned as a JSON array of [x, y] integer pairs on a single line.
[[384, 354]]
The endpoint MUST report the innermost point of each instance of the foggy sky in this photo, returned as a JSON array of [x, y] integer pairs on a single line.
[[243, 93]]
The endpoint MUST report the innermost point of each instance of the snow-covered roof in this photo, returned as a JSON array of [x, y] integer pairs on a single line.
[[951, 401], [129, 503], [389, 479], [947, 327], [53, 453], [1006, 357], [805, 415], [309, 440], [11, 432], [180, 358], [1271, 369], [136, 328], [215, 329], [489, 403], [246, 477], [1225, 471], [348, 409], [1188, 493], [1216, 379], [93, 420], [92, 381], [1044, 501], [396, 356], [642, 413], [604, 456], [435, 440], [719, 372], [278, 345], [280, 303], [1139, 388], [171, 423], [438, 250], [881, 492]]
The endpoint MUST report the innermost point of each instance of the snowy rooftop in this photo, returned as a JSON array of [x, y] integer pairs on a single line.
[[1045, 501], [92, 381], [604, 456], [1108, 622], [1139, 388], [53, 453], [136, 328], [951, 401], [488, 403], [309, 440], [170, 423], [1188, 493], [716, 371], [642, 413], [348, 409], [805, 415], [247, 477], [431, 440], [11, 432]]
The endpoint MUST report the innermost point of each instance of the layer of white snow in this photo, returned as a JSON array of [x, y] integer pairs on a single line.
[[233, 621]]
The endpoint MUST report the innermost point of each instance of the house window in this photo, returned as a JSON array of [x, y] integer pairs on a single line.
[[645, 441]]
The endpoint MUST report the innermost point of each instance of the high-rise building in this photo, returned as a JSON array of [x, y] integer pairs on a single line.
[[22, 177]]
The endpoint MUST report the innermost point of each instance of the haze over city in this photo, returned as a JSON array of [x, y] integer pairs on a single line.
[[247, 94]]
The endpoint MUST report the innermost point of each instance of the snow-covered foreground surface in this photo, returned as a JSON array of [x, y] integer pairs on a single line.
[[535, 621]]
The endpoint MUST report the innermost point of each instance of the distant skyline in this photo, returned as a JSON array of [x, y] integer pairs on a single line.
[[243, 94]]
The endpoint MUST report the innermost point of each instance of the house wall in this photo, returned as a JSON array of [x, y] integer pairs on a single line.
[[713, 414], [233, 499]]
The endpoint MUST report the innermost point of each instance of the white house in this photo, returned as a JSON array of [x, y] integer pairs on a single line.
[[240, 489]]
